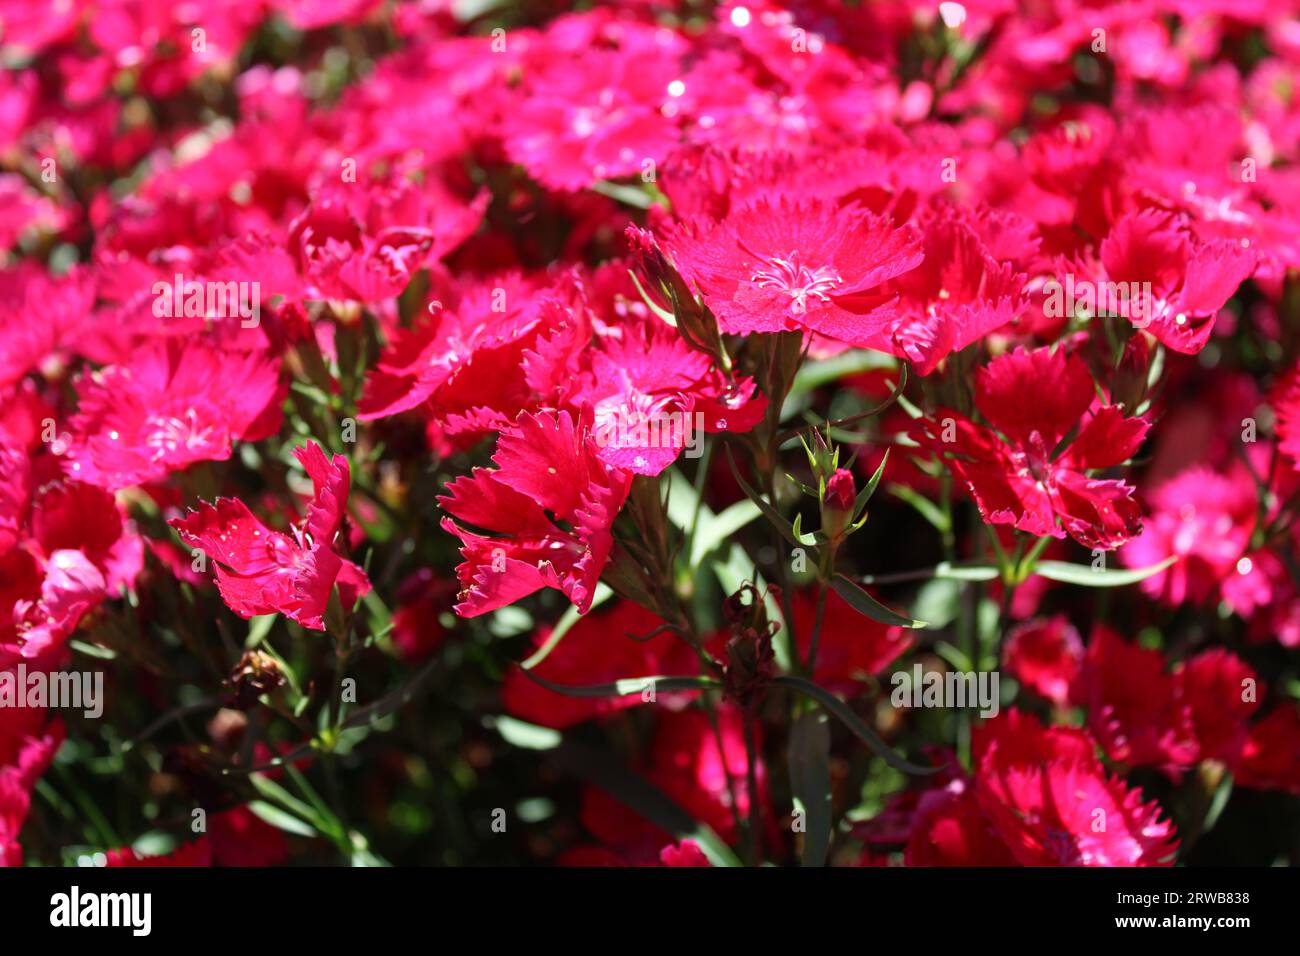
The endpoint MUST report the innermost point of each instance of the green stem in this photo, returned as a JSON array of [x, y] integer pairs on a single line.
[[817, 628], [701, 477], [782, 571], [945, 503], [1026, 564]]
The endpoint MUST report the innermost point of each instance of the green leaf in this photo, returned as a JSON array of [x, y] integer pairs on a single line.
[[466, 10], [636, 793], [966, 572], [569, 618], [154, 843], [271, 790], [924, 506], [864, 603], [258, 628], [324, 820], [280, 820], [683, 503], [815, 374], [865, 494], [527, 736], [627, 194], [1085, 576], [650, 303], [1217, 803], [808, 755], [835, 429], [705, 530], [381, 618], [368, 858], [625, 687], [954, 656], [713, 531], [807, 540], [943, 571], [769, 512], [938, 602], [92, 650], [509, 621], [851, 720]]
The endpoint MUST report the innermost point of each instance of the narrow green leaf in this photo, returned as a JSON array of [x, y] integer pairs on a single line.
[[924, 506], [1217, 803], [271, 790], [769, 512], [466, 10], [954, 656], [943, 571], [864, 603], [851, 720], [365, 857], [938, 602], [325, 819], [705, 530], [653, 306], [807, 540], [258, 628], [279, 819], [966, 572], [510, 621], [714, 530], [527, 736], [814, 374], [629, 195], [92, 650], [1085, 576], [569, 618], [865, 494], [625, 687], [808, 755], [683, 502]]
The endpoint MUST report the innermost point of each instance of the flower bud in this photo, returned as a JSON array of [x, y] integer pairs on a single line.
[[1130, 384], [696, 324], [837, 503]]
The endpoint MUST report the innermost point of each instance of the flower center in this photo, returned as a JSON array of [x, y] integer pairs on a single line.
[[169, 434], [1063, 846], [789, 276], [633, 418], [585, 120]]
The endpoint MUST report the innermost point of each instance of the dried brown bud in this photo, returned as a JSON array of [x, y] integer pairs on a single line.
[[257, 673], [750, 663]]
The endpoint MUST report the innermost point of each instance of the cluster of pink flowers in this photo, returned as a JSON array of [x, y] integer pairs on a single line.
[[687, 371]]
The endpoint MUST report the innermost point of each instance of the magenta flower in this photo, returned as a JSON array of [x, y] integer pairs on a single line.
[[1015, 468], [260, 571], [782, 265], [172, 406], [548, 508]]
